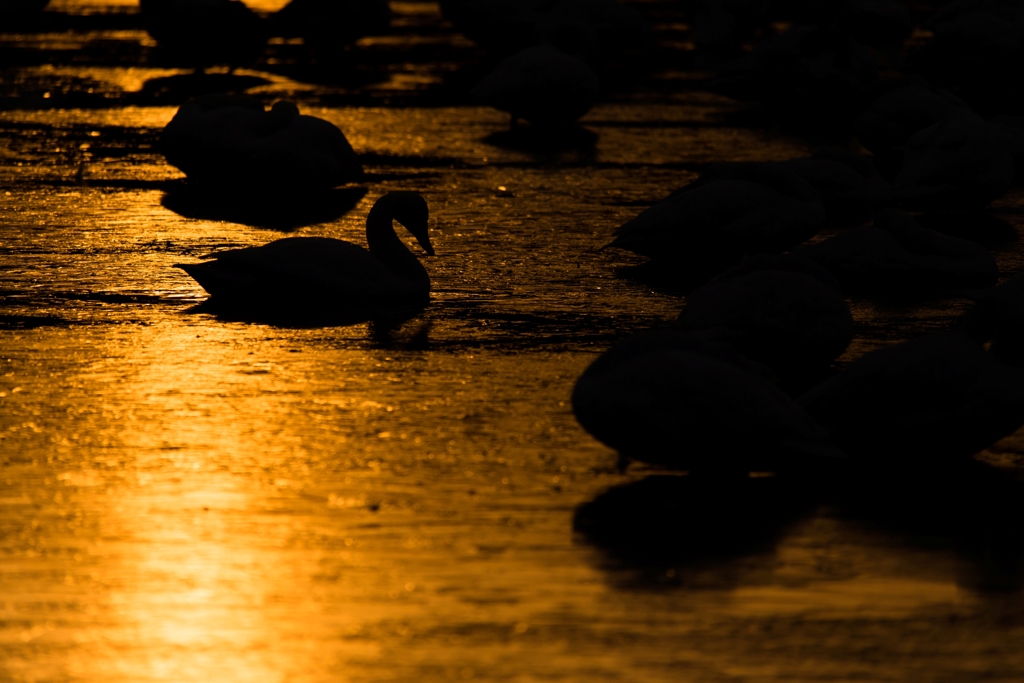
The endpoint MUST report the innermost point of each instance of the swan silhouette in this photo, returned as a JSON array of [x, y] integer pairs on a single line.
[[961, 162], [894, 109], [329, 27], [230, 141], [729, 211], [16, 8], [541, 84], [327, 274], [680, 401], [849, 185], [931, 400], [898, 256], [202, 33], [780, 310]]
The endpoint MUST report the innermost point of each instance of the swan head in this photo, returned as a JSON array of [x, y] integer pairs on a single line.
[[410, 209]]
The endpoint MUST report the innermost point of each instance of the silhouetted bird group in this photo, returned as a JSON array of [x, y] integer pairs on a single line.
[[745, 381]]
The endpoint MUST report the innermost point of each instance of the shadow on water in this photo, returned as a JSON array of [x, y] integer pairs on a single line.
[[681, 531], [972, 509], [261, 210], [180, 88], [291, 313], [545, 144]]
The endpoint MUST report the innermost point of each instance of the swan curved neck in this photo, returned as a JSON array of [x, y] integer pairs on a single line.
[[385, 245]]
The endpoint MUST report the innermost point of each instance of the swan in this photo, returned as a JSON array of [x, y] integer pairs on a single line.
[[205, 33], [671, 399], [719, 29], [928, 401], [780, 310], [729, 211], [849, 185], [898, 256], [967, 46], [230, 141], [503, 27], [541, 84], [961, 162], [894, 109], [330, 274], [807, 77], [882, 24], [22, 7], [327, 27]]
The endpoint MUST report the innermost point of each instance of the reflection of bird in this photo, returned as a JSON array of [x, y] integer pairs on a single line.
[[229, 141], [729, 211], [783, 311], [327, 27], [897, 256], [541, 84], [676, 400], [926, 401], [329, 274], [203, 33]]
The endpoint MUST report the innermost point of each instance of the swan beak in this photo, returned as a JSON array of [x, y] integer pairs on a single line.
[[425, 243]]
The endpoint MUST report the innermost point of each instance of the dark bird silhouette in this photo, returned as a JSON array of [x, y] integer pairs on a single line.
[[230, 142], [329, 275], [542, 85], [783, 311], [329, 27], [897, 257], [927, 402], [680, 401], [729, 211], [849, 185], [204, 33]]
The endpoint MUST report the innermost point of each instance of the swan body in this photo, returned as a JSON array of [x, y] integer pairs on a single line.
[[329, 26], [961, 162], [498, 26], [231, 141], [720, 28], [326, 273], [674, 400], [968, 46], [503, 27], [898, 256], [783, 311], [542, 85], [847, 183], [807, 77], [203, 33], [729, 211], [930, 400], [22, 7], [878, 23], [894, 109]]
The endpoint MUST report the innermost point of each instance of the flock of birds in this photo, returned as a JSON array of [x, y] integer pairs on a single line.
[[745, 381]]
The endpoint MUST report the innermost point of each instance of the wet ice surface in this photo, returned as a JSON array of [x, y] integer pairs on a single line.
[[188, 498]]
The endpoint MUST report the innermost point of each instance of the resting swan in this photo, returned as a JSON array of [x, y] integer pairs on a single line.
[[329, 274], [932, 400], [730, 210], [683, 402], [897, 256], [230, 142]]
